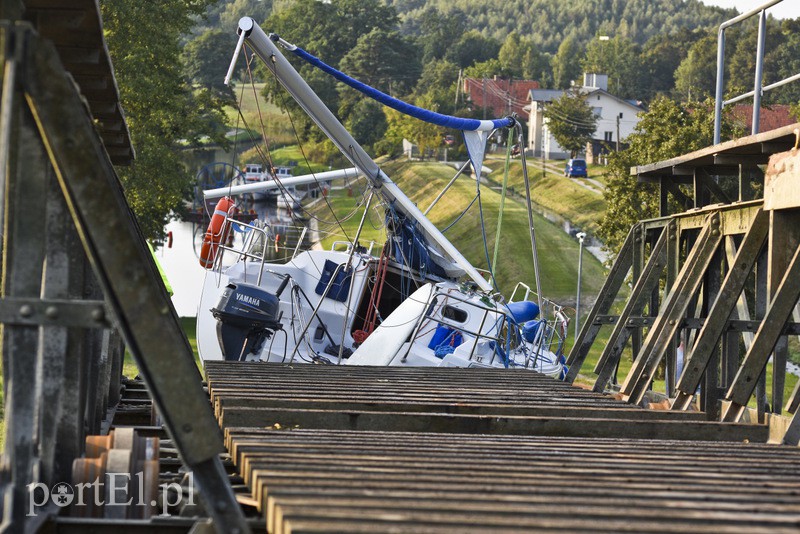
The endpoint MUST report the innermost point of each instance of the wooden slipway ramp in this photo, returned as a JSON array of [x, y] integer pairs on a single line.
[[361, 449]]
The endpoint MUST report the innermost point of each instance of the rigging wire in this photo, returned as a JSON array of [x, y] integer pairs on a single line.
[[502, 198]]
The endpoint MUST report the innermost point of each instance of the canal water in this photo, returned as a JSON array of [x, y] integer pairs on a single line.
[[181, 264]]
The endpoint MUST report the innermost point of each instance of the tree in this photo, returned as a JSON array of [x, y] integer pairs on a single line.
[[696, 76], [204, 58], [367, 123], [439, 32], [521, 58], [162, 111], [571, 121], [259, 10], [619, 58], [566, 63], [486, 69], [426, 136], [667, 130], [329, 31], [472, 48], [383, 60], [660, 58]]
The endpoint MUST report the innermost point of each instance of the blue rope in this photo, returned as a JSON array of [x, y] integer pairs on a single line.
[[448, 121], [460, 216]]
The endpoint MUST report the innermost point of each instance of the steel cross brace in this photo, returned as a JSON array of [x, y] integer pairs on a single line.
[[128, 276], [779, 310], [675, 304], [699, 356], [603, 304], [640, 293]]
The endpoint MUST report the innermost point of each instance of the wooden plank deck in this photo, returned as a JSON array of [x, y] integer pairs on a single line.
[[326, 448]]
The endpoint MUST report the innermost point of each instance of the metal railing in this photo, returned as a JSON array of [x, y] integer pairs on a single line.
[[758, 89]]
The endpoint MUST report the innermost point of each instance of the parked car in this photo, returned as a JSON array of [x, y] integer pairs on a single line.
[[575, 168]]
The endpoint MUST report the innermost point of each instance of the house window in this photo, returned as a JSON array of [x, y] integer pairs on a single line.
[[620, 114], [609, 136], [598, 111]]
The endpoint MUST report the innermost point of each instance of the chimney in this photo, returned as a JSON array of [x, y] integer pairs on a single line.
[[595, 81]]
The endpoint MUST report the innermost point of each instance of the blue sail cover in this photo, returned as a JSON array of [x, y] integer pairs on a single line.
[[448, 121], [476, 132]]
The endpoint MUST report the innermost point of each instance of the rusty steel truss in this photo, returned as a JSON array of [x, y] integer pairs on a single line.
[[718, 283], [78, 281]]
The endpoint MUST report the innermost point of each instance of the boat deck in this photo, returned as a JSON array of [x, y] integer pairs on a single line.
[[326, 448]]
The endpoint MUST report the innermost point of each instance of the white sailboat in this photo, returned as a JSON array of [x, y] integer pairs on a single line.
[[421, 303]]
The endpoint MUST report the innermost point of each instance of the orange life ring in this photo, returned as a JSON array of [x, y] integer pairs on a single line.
[[213, 236]]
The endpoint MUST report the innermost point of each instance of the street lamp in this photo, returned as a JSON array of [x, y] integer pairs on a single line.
[[580, 236]]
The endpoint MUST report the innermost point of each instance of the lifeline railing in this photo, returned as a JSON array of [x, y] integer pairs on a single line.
[[758, 89]]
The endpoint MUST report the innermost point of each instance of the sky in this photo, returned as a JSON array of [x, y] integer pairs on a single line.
[[788, 9]]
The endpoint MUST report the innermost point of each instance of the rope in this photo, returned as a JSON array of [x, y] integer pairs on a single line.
[[502, 198], [462, 214], [483, 235]]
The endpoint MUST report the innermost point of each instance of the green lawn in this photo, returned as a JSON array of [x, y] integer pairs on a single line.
[[556, 193], [558, 252], [189, 325], [255, 112]]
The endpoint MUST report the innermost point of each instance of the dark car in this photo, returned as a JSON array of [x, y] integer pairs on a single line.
[[576, 168]]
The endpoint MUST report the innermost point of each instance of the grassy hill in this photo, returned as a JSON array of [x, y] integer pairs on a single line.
[[422, 181]]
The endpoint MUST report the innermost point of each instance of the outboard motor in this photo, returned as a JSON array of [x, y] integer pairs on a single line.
[[246, 317]]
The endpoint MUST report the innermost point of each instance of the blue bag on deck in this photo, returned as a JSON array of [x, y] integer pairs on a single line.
[[341, 285]]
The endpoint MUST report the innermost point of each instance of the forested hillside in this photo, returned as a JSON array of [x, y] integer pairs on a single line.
[[549, 22], [546, 22]]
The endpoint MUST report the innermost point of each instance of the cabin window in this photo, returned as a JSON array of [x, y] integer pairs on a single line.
[[432, 307], [454, 314]]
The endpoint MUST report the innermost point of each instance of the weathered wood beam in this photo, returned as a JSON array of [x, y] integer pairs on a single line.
[[497, 425], [740, 159]]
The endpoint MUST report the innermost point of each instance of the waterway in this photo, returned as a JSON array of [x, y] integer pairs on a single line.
[[181, 265]]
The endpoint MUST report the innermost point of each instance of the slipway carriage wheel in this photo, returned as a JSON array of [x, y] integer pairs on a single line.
[[119, 468]]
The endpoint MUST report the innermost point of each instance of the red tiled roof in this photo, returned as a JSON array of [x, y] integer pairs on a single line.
[[773, 117], [498, 93]]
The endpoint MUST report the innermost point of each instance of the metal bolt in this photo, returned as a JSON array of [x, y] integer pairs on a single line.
[[187, 428], [26, 310], [715, 232], [98, 314], [51, 312], [672, 322]]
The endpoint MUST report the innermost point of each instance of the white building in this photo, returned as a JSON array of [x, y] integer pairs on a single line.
[[616, 117]]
